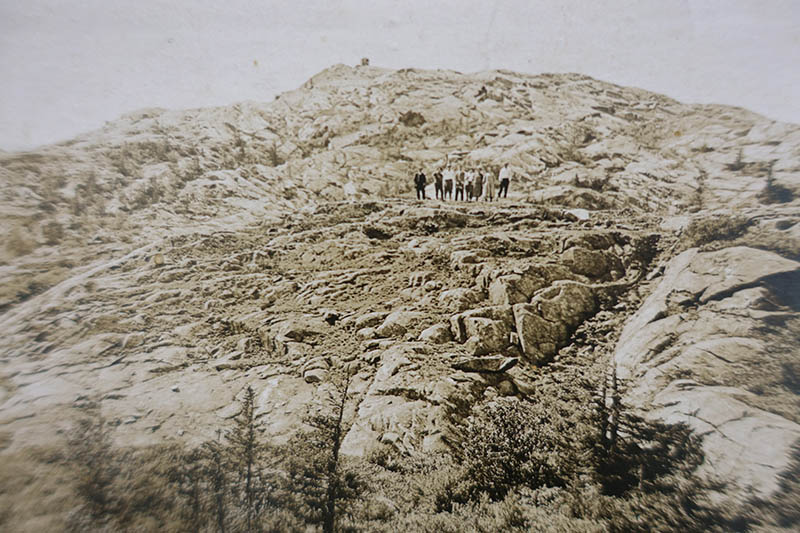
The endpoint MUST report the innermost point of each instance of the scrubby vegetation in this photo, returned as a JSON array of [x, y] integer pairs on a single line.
[[708, 229], [568, 458], [233, 483]]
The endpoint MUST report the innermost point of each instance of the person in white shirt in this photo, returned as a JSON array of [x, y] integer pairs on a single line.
[[449, 177], [505, 178], [469, 178]]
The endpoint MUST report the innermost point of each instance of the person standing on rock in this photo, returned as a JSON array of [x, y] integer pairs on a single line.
[[419, 182], [460, 184], [477, 186], [449, 177], [437, 183], [491, 185], [468, 182], [505, 179]]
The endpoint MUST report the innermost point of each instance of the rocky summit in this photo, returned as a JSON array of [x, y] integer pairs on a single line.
[[159, 270]]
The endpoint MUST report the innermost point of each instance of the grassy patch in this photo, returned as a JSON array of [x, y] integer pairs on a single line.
[[710, 229]]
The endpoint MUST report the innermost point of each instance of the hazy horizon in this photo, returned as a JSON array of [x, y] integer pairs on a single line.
[[69, 67]]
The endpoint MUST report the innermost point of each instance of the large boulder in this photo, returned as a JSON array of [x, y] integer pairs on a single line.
[[464, 326], [398, 323], [370, 320], [456, 300], [468, 259], [520, 285], [595, 264], [302, 328], [436, 334], [545, 325], [485, 335], [407, 405]]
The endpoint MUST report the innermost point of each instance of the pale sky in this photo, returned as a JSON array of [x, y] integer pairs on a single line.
[[67, 66]]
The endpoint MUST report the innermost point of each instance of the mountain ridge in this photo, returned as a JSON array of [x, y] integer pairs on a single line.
[[162, 264]]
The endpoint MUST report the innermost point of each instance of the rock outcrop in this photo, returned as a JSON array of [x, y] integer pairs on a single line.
[[698, 347]]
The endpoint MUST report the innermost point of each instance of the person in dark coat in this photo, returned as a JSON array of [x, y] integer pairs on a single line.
[[477, 187], [437, 183], [419, 183], [460, 184]]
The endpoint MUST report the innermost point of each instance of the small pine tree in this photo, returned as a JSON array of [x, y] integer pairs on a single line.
[[319, 483], [247, 457], [739, 163], [215, 470]]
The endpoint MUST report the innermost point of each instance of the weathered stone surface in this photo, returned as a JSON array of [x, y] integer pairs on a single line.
[[460, 258], [228, 361], [696, 277], [519, 287], [730, 427], [596, 264], [436, 334], [315, 375], [456, 300], [697, 331], [418, 279], [432, 285], [402, 406], [370, 320], [366, 333], [578, 214], [301, 328], [501, 313], [398, 322], [485, 335], [545, 325]]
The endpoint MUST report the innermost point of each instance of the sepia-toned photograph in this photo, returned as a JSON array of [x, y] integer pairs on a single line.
[[454, 266]]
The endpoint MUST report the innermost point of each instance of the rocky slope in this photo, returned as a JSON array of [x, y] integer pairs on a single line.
[[162, 264]]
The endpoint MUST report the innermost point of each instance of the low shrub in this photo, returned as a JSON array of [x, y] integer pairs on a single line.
[[706, 230]]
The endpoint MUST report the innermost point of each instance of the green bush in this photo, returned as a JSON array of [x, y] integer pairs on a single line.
[[512, 442]]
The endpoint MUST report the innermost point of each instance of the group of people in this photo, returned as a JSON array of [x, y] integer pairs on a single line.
[[465, 183]]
